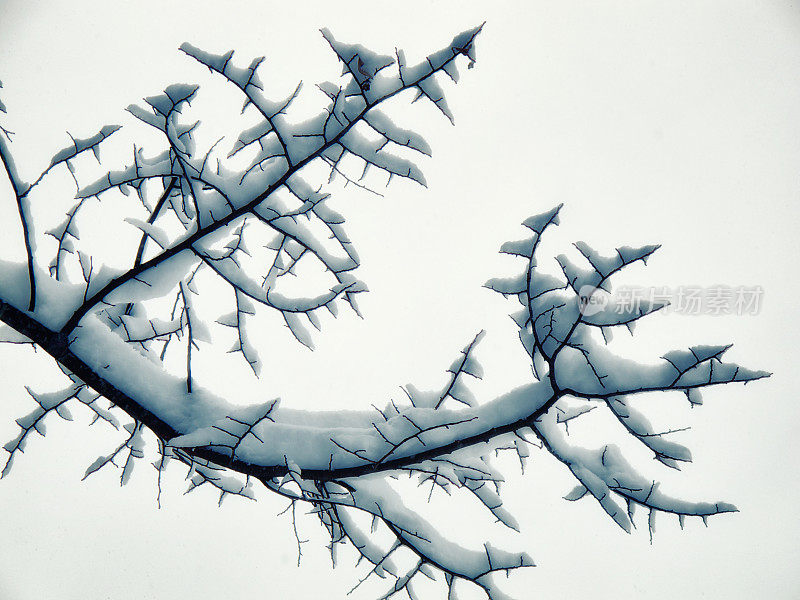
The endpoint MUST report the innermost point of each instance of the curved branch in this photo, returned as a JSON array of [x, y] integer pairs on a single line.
[[56, 345]]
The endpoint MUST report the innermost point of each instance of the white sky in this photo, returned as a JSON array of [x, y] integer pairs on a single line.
[[670, 122]]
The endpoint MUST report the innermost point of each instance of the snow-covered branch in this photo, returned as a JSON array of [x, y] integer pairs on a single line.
[[244, 212]]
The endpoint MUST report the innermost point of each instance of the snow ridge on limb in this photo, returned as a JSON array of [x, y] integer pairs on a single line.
[[53, 402], [415, 549], [432, 555], [456, 388], [556, 325]]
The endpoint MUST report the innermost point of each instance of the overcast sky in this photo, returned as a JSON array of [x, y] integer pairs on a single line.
[[653, 122]]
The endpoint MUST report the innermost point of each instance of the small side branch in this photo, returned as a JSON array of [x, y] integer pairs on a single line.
[[20, 190]]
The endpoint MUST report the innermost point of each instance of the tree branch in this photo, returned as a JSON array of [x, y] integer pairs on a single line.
[[20, 190], [248, 207]]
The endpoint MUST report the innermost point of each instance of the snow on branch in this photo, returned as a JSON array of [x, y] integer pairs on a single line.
[[78, 145], [611, 480], [160, 166], [456, 387], [20, 188], [218, 197], [556, 326], [248, 82], [52, 402]]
